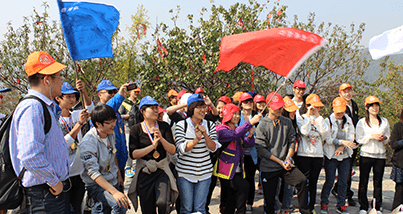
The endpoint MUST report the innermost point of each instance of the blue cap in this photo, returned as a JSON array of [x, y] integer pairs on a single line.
[[194, 98], [107, 85], [67, 89], [5, 89], [148, 101]]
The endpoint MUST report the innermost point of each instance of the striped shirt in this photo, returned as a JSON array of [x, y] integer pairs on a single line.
[[194, 165], [45, 157]]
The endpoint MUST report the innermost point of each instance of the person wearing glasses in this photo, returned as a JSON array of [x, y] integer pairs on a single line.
[[44, 156], [195, 139], [250, 159], [108, 94], [101, 173]]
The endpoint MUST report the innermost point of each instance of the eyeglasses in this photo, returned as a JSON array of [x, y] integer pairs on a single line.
[[111, 91], [248, 101], [299, 89], [202, 107], [61, 78]]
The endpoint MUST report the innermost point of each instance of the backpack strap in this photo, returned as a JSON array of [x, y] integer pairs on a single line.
[[48, 118], [186, 126]]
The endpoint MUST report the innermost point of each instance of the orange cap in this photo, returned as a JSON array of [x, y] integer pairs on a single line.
[[289, 105], [339, 105], [344, 86], [42, 63], [314, 100], [371, 99], [172, 93], [237, 95]]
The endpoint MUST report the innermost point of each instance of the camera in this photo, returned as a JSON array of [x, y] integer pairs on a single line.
[[131, 86]]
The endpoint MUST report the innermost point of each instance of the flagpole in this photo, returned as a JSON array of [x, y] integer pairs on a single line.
[[79, 69], [278, 89]]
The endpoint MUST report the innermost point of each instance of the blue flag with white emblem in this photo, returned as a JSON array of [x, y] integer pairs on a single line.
[[88, 28]]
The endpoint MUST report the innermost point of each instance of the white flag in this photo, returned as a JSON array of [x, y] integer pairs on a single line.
[[388, 43]]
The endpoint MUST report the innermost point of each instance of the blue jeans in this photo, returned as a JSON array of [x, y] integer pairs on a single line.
[[104, 201], [330, 170], [193, 195], [40, 200]]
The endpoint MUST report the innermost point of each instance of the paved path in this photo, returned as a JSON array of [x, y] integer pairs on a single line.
[[388, 194]]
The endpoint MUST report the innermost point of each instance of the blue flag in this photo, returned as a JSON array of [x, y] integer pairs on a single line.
[[88, 28]]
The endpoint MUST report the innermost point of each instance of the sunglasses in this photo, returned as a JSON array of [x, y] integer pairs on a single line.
[[247, 101], [112, 91]]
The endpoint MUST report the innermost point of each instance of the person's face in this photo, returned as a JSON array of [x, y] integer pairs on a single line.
[[67, 101], [134, 94], [347, 94], [174, 100], [107, 128], [247, 104], [199, 112], [276, 113], [299, 92], [55, 84], [339, 115], [292, 115], [235, 117], [106, 95], [219, 107], [150, 113], [373, 109], [260, 105]]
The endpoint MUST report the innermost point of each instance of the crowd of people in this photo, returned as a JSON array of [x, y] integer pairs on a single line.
[[176, 155]]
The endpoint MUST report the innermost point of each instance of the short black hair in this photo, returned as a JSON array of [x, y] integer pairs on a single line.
[[35, 79], [102, 113], [191, 107]]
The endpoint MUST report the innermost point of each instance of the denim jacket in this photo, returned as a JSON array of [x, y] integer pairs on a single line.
[[232, 153]]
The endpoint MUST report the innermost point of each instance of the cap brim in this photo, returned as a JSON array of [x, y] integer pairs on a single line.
[[318, 104], [276, 106], [70, 92], [52, 69], [137, 89], [339, 109], [291, 108], [342, 89]]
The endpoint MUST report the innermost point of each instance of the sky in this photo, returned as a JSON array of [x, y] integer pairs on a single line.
[[378, 16]]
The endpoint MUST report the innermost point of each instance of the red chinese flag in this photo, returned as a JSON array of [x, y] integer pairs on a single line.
[[280, 50]]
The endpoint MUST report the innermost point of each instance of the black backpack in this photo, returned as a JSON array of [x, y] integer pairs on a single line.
[[11, 189]]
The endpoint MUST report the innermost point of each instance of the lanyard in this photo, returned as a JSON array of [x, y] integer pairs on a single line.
[[194, 124], [68, 128], [148, 131]]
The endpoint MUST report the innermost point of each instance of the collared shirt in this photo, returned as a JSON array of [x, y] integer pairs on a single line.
[[45, 157]]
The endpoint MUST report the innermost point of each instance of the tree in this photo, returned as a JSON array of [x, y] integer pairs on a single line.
[[192, 54]]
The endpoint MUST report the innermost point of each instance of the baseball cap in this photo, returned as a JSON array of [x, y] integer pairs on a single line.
[[181, 93], [276, 103], [137, 89], [199, 90], [42, 63], [172, 93], [228, 111], [67, 89], [194, 98], [289, 105], [225, 99], [258, 98], [339, 105], [299, 84], [372, 99], [237, 95], [160, 110], [245, 96], [344, 86], [148, 101], [107, 85], [184, 98], [314, 100]]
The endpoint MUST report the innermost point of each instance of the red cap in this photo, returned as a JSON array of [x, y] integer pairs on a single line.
[[258, 98], [225, 99], [245, 96], [181, 93], [199, 90], [299, 84], [277, 101], [227, 111]]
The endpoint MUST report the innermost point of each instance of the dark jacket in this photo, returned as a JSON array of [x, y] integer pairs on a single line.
[[131, 108], [396, 142], [353, 115]]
